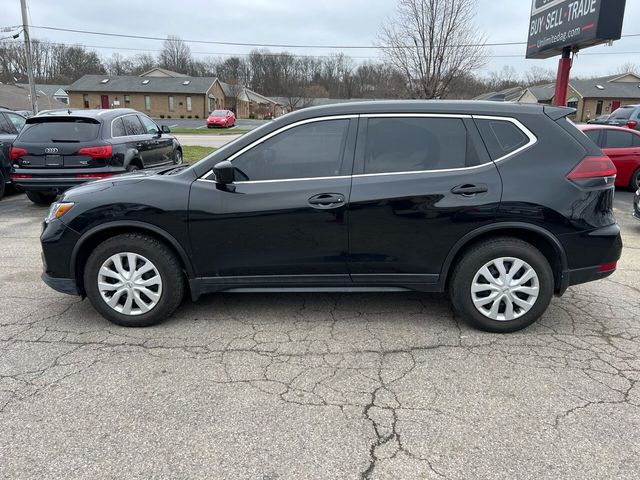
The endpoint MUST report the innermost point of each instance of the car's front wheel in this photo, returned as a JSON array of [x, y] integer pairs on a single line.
[[177, 156], [41, 198], [502, 285], [134, 280], [634, 184]]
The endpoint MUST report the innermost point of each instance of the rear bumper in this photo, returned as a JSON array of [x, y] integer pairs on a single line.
[[62, 285], [59, 180], [588, 252]]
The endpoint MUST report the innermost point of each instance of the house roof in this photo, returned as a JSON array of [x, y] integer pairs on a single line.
[[162, 72], [16, 97], [134, 84], [49, 90], [322, 101], [506, 95], [619, 87]]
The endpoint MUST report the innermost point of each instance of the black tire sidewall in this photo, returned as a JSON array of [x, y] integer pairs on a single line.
[[159, 255], [41, 198], [460, 287], [634, 184], [3, 185]]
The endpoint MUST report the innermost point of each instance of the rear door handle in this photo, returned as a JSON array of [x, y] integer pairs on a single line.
[[327, 200], [469, 189]]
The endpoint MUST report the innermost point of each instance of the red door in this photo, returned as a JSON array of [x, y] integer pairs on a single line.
[[615, 105], [623, 148], [104, 101]]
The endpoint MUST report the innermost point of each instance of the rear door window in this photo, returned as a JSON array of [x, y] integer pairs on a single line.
[[401, 144], [133, 126], [5, 126], [618, 139], [501, 137], [65, 129], [117, 128], [594, 135]]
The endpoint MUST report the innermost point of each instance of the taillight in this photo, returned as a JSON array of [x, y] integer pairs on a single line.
[[94, 175], [103, 151], [18, 176], [609, 267], [593, 167], [632, 124], [17, 152]]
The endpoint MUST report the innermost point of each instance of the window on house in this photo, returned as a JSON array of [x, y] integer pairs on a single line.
[[189, 105], [171, 103], [147, 102], [599, 108], [85, 100], [127, 99], [573, 102]]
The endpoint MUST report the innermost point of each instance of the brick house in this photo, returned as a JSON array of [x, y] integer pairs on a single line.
[[593, 97], [159, 93]]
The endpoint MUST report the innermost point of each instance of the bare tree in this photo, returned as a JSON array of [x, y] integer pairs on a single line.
[[175, 55], [539, 76], [627, 67], [431, 42]]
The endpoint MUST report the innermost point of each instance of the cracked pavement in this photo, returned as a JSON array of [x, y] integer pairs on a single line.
[[322, 386]]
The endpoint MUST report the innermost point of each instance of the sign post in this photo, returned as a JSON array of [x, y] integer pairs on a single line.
[[562, 27]]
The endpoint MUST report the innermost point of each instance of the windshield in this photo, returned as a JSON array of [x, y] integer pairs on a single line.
[[68, 130], [623, 113], [219, 113]]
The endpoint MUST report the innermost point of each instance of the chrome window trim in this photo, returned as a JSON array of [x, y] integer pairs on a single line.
[[532, 141]]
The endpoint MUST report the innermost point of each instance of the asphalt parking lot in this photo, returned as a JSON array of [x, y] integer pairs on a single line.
[[322, 386]]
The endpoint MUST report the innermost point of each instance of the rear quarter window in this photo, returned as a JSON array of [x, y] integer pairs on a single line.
[[623, 113], [501, 137], [60, 130]]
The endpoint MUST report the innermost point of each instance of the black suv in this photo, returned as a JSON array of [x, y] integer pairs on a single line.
[[10, 125], [627, 116], [502, 205], [62, 148]]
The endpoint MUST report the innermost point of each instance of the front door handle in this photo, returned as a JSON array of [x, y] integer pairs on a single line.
[[327, 200], [139, 145], [469, 189]]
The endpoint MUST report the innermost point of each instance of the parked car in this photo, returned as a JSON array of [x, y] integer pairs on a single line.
[[25, 113], [602, 119], [622, 146], [627, 116], [503, 205], [63, 148], [10, 125], [221, 118], [636, 205]]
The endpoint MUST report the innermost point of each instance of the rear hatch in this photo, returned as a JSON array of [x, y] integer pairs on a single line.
[[59, 142]]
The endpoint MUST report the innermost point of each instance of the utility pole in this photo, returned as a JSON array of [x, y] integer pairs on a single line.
[[27, 45]]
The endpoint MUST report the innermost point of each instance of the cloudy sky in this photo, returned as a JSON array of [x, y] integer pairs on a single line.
[[310, 22]]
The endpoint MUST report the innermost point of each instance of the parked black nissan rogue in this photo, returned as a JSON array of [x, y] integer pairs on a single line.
[[62, 148], [503, 205]]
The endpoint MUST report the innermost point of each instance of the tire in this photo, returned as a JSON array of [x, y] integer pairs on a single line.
[[177, 156], [41, 198], [3, 185], [144, 311], [132, 167], [634, 184], [469, 271]]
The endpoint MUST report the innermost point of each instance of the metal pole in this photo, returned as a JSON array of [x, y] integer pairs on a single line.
[[27, 45], [562, 82]]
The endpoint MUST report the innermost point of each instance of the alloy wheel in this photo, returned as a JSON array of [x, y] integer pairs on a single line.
[[505, 289], [129, 283]]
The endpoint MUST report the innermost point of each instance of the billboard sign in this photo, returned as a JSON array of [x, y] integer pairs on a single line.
[[557, 24]]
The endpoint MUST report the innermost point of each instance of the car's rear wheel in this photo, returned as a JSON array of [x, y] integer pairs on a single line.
[[134, 280], [41, 198], [3, 185], [634, 184], [133, 167], [501, 285], [177, 156]]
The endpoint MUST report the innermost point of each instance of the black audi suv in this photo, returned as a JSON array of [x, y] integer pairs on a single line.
[[502, 205], [62, 148]]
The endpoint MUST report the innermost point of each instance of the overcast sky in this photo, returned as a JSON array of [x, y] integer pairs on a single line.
[[342, 22]]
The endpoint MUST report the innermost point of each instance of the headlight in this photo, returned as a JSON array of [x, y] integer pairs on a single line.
[[58, 209]]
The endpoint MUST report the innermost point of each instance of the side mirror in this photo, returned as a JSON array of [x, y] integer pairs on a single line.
[[224, 172], [165, 129]]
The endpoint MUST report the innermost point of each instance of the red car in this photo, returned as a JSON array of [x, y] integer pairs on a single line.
[[622, 145], [221, 118]]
